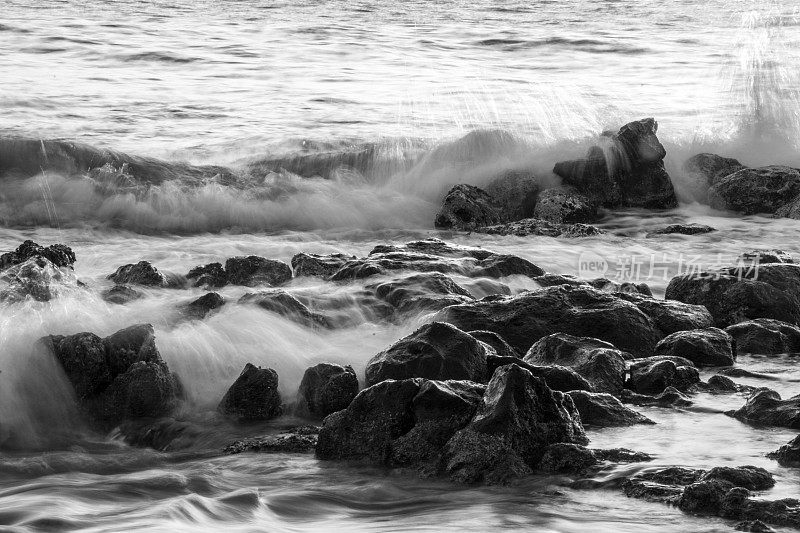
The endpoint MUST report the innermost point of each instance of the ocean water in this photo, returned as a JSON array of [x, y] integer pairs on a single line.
[[415, 96]]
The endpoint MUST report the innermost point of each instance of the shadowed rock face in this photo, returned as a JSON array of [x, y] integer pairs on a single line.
[[141, 273], [286, 305], [58, 254], [327, 388], [322, 266], [710, 168], [210, 275], [703, 347], [121, 294], [36, 278], [565, 206], [542, 228], [253, 396], [254, 270], [756, 190], [655, 376], [429, 291], [117, 378], [765, 408], [765, 336], [682, 229], [558, 378], [604, 410], [435, 351], [467, 207], [788, 454], [203, 306]]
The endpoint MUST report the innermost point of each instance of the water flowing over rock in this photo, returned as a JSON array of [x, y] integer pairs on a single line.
[[752, 191], [210, 275], [653, 377], [541, 228], [117, 378], [628, 173], [437, 351], [515, 193], [203, 306], [286, 305], [327, 388], [604, 410], [766, 408], [322, 266], [682, 229], [142, 273], [707, 169], [253, 396], [59, 255], [254, 270], [299, 440], [122, 294], [467, 207], [788, 454], [765, 336], [703, 347], [599, 362], [565, 206], [671, 397], [429, 291], [36, 278]]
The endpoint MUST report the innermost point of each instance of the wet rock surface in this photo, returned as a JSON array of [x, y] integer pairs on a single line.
[[604, 410], [681, 229], [121, 294], [141, 273], [36, 279], [429, 291], [59, 255], [286, 305], [788, 454], [210, 275], [327, 388], [703, 347], [756, 190], [322, 266], [765, 336], [654, 376], [299, 440], [670, 397], [710, 168], [565, 206], [254, 270], [542, 228], [253, 396], [203, 306], [766, 408]]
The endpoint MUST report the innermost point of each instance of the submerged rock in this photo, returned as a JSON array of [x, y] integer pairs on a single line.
[[653, 377], [117, 378], [253, 396], [681, 229], [210, 275], [703, 347], [515, 193], [766, 408], [286, 305], [327, 388], [288, 442], [788, 454], [466, 207], [321, 266], [709, 168], [604, 410], [436, 351], [202, 306], [599, 362], [254, 270], [565, 206], [429, 291], [433, 246], [121, 294], [671, 397], [59, 255], [765, 336], [756, 190], [542, 228], [36, 278]]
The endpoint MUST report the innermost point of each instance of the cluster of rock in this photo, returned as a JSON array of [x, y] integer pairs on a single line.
[[38, 272]]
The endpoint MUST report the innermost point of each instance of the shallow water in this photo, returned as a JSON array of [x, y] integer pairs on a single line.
[[437, 93]]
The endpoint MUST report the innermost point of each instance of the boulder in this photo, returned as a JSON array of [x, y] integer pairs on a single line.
[[599, 362], [565, 206], [567, 458], [59, 255], [286, 305], [558, 378], [681, 229], [669, 316], [38, 279], [500, 346], [210, 275], [285, 442], [202, 306], [117, 378], [509, 434], [788, 454], [765, 336], [540, 228], [703, 347], [748, 477], [327, 388], [466, 207], [709, 168], [766, 408], [734, 295], [254, 270], [253, 396], [762, 256], [436, 351], [429, 291], [756, 190], [121, 294], [141, 273], [321, 266], [604, 410], [653, 377], [579, 311], [514, 194]]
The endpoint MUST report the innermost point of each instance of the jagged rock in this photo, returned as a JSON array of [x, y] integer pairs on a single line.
[[788, 454], [564, 206], [36, 278], [436, 351], [682, 229], [756, 190], [286, 305], [288, 442], [253, 396], [201, 307], [466, 207], [710, 168], [567, 458], [765, 336], [599, 362], [629, 172], [703, 347], [622, 455], [210, 275], [254, 270], [654, 377], [671, 397], [433, 246], [117, 378], [604, 410], [734, 295], [542, 228], [558, 378], [515, 194], [121, 294], [59, 255], [748, 477], [721, 384], [766, 408], [766, 256], [500, 265], [670, 316], [429, 291], [141, 273], [501, 347], [321, 266], [578, 311], [516, 421], [327, 388]]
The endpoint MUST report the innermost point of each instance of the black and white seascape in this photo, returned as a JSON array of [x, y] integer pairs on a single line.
[[386, 266]]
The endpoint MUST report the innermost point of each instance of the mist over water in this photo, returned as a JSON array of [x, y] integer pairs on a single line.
[[271, 129]]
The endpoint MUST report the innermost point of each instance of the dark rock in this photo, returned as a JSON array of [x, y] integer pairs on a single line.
[[280, 443], [662, 485], [498, 266], [704, 497], [671, 397], [598, 361], [710, 168], [58, 254], [765, 408], [210, 275], [681, 229], [253, 270], [567, 458], [253, 396], [201, 307], [162, 434], [604, 410], [537, 227], [429, 291], [743, 373], [578, 311], [435, 351], [766, 256], [514, 194], [286, 305], [142, 273], [734, 295], [121, 294], [321, 266], [432, 246], [748, 477], [622, 455], [788, 454], [501, 347], [466, 207], [516, 421], [753, 526], [606, 285], [670, 316], [703, 347], [565, 206], [558, 378], [327, 388], [722, 384], [756, 190], [654, 377], [765, 336], [38, 279]]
